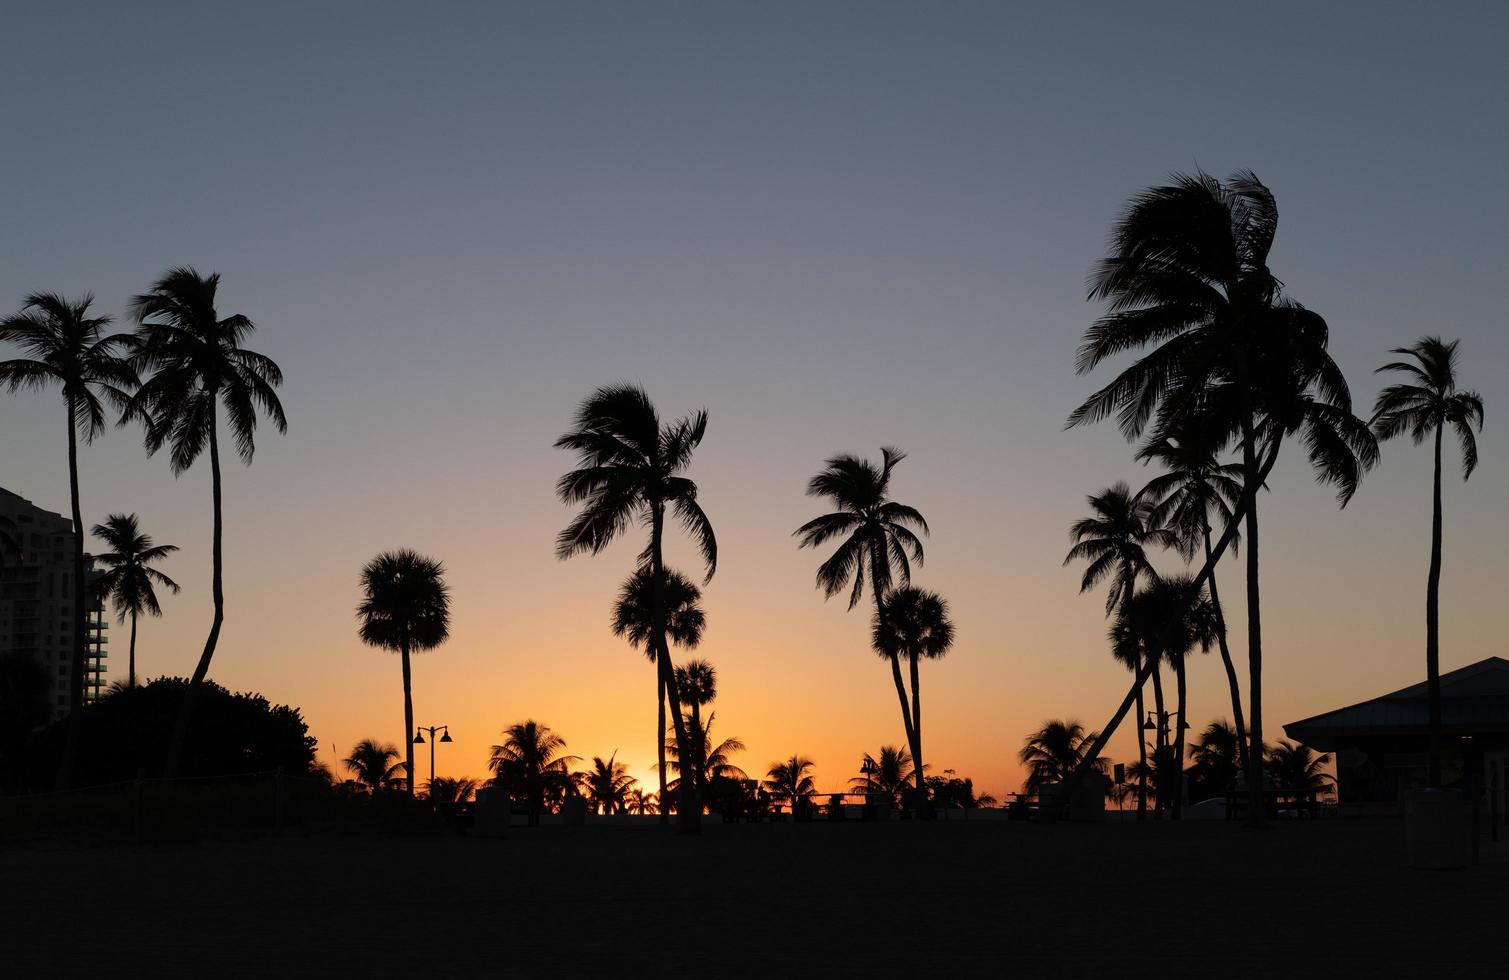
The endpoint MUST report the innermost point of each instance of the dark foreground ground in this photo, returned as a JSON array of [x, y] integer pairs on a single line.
[[900, 899]]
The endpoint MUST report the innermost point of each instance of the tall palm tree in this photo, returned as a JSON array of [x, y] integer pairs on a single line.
[[1298, 769], [63, 344], [877, 541], [375, 764], [886, 773], [711, 761], [199, 367], [698, 683], [529, 764], [630, 466], [1189, 277], [634, 619], [1054, 752], [608, 785], [790, 782], [916, 625], [405, 608], [1424, 406], [129, 579], [1113, 541]]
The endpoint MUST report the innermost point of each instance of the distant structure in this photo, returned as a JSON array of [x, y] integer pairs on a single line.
[[1381, 745], [37, 596]]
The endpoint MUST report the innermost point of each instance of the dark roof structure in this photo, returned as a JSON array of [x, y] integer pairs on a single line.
[[1474, 701]]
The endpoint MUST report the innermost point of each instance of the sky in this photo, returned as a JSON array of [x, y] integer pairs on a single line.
[[834, 226]]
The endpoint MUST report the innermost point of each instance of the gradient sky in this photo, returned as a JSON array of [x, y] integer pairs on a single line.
[[834, 226]]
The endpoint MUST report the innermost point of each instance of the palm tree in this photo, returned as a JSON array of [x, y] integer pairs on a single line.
[[374, 764], [1217, 755], [1424, 407], [641, 803], [790, 782], [608, 785], [1054, 752], [448, 791], [1193, 486], [1297, 769], [529, 765], [1189, 277], [1113, 541], [634, 619], [199, 367], [405, 608], [129, 579], [630, 467], [698, 683], [878, 542], [887, 773], [711, 761], [916, 625], [63, 345]]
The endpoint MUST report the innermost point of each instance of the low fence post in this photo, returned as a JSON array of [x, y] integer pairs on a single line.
[[278, 795]]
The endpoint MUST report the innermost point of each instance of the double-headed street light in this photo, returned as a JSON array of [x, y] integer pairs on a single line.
[[445, 736]]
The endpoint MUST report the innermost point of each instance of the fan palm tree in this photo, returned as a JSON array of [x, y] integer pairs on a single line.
[[630, 467], [1216, 755], [1054, 752], [634, 619], [790, 782], [405, 608], [916, 625], [374, 764], [877, 541], [63, 344], [1113, 541], [129, 579], [1298, 769], [448, 791], [529, 764], [1189, 277], [711, 761], [608, 785], [1424, 406], [698, 684], [887, 773], [641, 803], [199, 368]]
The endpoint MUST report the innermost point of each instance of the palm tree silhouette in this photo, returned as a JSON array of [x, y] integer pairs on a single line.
[[1298, 769], [634, 619], [405, 608], [790, 782], [1189, 277], [1193, 486], [448, 791], [878, 542], [708, 760], [1216, 755], [1054, 752], [886, 773], [1424, 407], [608, 785], [376, 765], [916, 625], [128, 581], [529, 765], [62, 344], [630, 466], [698, 682], [199, 367], [1113, 541]]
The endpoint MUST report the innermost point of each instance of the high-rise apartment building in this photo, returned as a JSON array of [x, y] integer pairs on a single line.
[[37, 593]]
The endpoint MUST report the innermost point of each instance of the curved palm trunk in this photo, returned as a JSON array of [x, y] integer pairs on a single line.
[[1257, 805], [665, 814], [131, 660], [80, 592], [186, 710], [688, 808], [1177, 773], [408, 718], [917, 730], [1160, 741], [908, 727], [1141, 752], [1231, 670], [1433, 622]]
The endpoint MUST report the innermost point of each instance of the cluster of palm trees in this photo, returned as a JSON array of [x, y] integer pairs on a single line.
[[1228, 364], [182, 369]]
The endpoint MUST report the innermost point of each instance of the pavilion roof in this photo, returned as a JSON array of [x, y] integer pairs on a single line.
[[1474, 700]]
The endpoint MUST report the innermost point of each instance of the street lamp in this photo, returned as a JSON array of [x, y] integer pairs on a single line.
[[445, 736]]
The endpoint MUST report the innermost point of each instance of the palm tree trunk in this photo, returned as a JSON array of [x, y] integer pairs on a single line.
[[699, 737], [665, 813], [1257, 803], [408, 716], [688, 808], [1433, 622], [186, 709], [917, 732], [1177, 773], [80, 592], [907, 725], [1160, 746], [1141, 752], [1231, 670], [131, 660]]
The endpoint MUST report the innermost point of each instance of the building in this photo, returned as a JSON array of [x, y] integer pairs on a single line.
[[37, 596], [1382, 745]]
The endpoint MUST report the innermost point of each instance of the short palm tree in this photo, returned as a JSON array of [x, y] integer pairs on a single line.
[[63, 344], [634, 619], [1424, 406], [877, 541], [129, 580], [405, 608], [1298, 769], [608, 785], [1053, 752], [886, 773], [790, 782], [916, 625], [1216, 755], [448, 791], [529, 764], [199, 368], [641, 803], [374, 764], [708, 759], [630, 467]]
